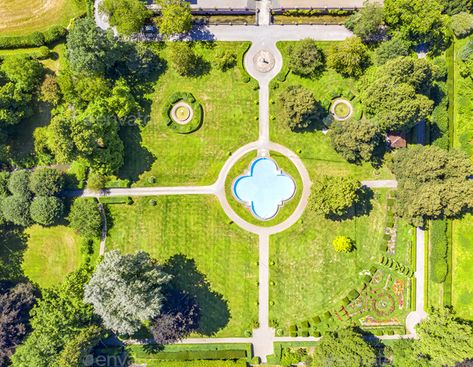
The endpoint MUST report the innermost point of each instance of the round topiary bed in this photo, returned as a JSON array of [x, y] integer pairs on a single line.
[[182, 113], [341, 109]]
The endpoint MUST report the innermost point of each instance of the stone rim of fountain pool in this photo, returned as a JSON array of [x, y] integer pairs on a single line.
[[260, 179]]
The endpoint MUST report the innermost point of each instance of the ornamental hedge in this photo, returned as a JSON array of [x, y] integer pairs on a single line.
[[35, 39], [189, 355], [439, 252], [193, 124]]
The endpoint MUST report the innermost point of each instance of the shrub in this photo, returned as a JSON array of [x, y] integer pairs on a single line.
[[225, 60], [16, 209], [46, 182], [439, 252], [35, 39], [354, 294], [85, 217], [461, 24], [96, 181], [46, 210], [19, 182], [306, 58], [342, 244]]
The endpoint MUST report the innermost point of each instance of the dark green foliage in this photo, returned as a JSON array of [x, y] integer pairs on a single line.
[[193, 124], [439, 251], [395, 94], [462, 24], [306, 59], [368, 22], [452, 7], [15, 304], [57, 319], [89, 49], [443, 339], [344, 348], [16, 209], [4, 176], [354, 294], [80, 346], [392, 49], [46, 210], [18, 183], [420, 21], [191, 355], [300, 107], [46, 182], [432, 183], [349, 57], [85, 217], [294, 356], [357, 141], [128, 16]]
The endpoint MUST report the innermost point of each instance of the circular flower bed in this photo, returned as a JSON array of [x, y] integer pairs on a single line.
[[341, 109], [384, 304], [182, 113]]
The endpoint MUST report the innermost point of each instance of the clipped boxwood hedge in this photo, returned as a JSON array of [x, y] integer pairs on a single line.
[[193, 124], [35, 39], [189, 355]]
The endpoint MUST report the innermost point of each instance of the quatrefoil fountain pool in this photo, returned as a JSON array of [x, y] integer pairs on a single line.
[[264, 189]]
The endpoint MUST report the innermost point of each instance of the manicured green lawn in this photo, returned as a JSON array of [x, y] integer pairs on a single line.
[[462, 242], [462, 265], [51, 254], [313, 146], [211, 258], [244, 212], [20, 17], [309, 276], [230, 113]]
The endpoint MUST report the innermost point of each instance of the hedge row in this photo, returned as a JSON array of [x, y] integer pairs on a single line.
[[439, 251], [189, 355], [439, 127], [393, 264], [238, 363], [34, 39], [244, 74], [192, 125], [116, 200]]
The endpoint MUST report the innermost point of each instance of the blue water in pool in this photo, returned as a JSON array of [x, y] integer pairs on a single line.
[[264, 189]]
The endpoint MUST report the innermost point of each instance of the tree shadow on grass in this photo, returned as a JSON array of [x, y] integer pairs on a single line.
[[138, 159], [214, 312], [362, 207], [12, 247]]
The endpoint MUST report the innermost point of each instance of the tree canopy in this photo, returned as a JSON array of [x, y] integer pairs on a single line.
[[334, 195], [46, 210], [420, 21], [432, 183], [349, 57], [128, 16], [368, 22], [85, 217], [176, 17], [300, 109], [357, 141], [344, 348], [306, 58], [125, 291], [46, 182], [395, 94], [443, 339]]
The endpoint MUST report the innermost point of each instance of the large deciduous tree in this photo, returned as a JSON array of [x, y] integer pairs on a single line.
[[15, 304], [349, 57], [357, 141], [46, 181], [85, 217], [432, 183], [128, 16], [59, 316], [334, 196], [176, 17], [396, 94], [46, 210], [368, 22], [125, 291], [420, 21], [443, 339], [300, 109], [306, 58], [344, 348]]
